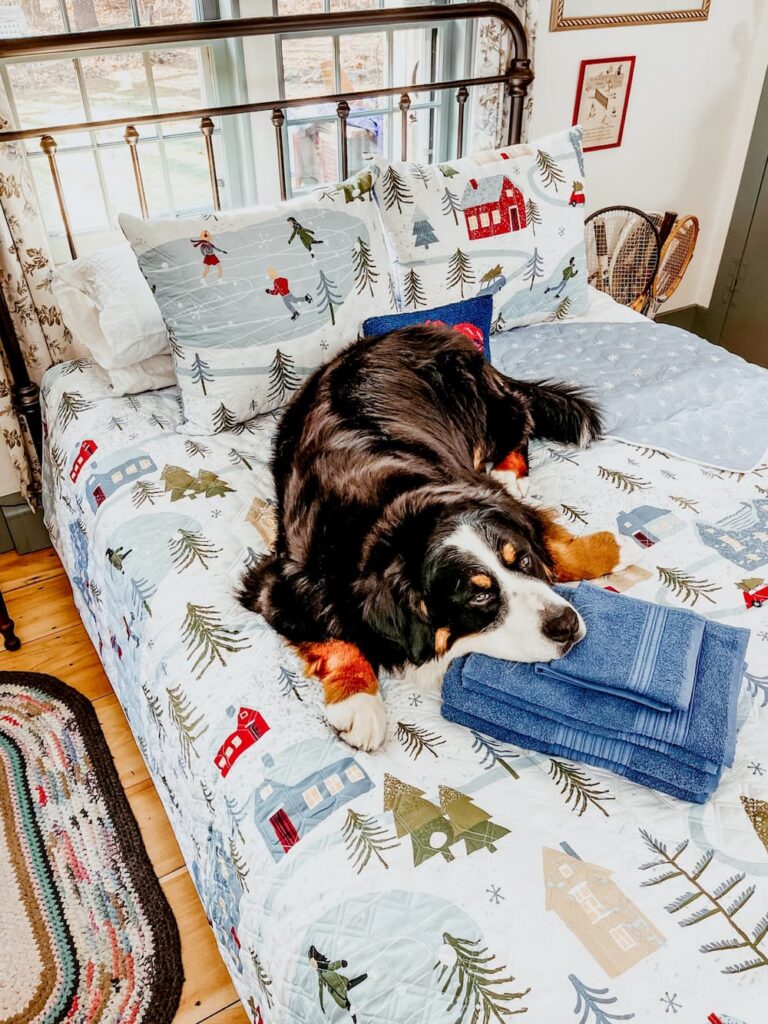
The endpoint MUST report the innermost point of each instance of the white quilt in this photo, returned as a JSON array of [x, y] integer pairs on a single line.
[[308, 856]]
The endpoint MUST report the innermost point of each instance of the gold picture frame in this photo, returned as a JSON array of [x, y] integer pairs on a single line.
[[561, 21]]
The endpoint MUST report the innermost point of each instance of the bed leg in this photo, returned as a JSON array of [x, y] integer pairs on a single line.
[[10, 640]]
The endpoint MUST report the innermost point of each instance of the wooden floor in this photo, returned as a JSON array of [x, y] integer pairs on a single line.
[[39, 600]]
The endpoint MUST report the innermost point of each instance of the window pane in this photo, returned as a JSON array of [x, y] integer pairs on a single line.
[[365, 139], [308, 66], [313, 154], [116, 85], [31, 18], [188, 168], [121, 183], [354, 5], [411, 56], [363, 61], [89, 14], [299, 6], [163, 12], [33, 86], [82, 192], [178, 78]]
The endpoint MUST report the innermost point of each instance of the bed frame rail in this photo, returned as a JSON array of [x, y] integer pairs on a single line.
[[516, 79]]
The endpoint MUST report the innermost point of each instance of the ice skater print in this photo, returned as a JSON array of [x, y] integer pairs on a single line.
[[205, 244], [305, 236], [281, 287], [568, 272], [329, 980]]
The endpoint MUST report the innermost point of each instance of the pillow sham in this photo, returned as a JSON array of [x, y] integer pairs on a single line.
[[131, 327], [506, 223], [81, 317], [471, 317], [256, 299]]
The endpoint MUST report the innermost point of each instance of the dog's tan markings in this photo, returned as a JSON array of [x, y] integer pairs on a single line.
[[482, 581], [579, 558], [515, 462], [423, 609], [341, 668], [508, 553], [442, 636], [479, 458]]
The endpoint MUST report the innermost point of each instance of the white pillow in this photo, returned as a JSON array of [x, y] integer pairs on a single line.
[[507, 223], [81, 316], [132, 328]]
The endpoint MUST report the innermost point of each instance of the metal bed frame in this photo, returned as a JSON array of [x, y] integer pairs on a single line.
[[516, 79]]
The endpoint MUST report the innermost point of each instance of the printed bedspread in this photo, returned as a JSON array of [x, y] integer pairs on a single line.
[[446, 879]]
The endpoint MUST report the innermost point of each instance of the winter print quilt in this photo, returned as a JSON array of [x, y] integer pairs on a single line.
[[446, 879], [255, 300], [507, 223]]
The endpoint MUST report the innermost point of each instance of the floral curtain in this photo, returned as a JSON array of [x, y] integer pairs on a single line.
[[26, 272], [490, 112]]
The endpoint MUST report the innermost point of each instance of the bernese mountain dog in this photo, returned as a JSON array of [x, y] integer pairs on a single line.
[[395, 549]]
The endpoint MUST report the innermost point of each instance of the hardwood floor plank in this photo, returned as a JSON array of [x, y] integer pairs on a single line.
[[156, 830], [42, 609], [127, 756], [68, 655], [18, 571], [234, 1014], [208, 987]]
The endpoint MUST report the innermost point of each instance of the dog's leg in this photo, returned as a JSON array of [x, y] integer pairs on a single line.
[[579, 558], [513, 471], [353, 703]]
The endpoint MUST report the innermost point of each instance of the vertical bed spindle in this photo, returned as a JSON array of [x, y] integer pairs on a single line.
[[278, 120], [405, 106], [342, 112], [206, 127], [132, 139], [462, 95], [49, 146]]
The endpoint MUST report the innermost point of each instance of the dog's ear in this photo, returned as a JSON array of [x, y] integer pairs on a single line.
[[401, 618]]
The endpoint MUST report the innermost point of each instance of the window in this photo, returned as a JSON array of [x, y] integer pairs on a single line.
[[473, 223], [496, 217], [566, 870], [485, 220], [622, 938], [589, 903], [354, 773], [334, 784], [312, 797], [338, 62], [236, 742], [265, 792]]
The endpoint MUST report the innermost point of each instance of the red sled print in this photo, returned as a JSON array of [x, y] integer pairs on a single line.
[[250, 727]]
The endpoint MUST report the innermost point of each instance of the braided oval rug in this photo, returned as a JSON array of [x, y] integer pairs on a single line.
[[86, 933]]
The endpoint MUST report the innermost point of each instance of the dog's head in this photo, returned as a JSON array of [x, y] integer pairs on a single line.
[[471, 579]]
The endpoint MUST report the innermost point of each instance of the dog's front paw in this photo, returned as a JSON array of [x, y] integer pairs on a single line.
[[361, 720], [515, 485]]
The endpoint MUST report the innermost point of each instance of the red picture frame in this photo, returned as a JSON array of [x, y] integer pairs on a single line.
[[604, 135]]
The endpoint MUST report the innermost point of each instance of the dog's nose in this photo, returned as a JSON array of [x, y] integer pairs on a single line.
[[562, 626]]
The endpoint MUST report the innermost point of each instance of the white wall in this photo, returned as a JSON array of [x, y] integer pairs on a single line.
[[691, 112]]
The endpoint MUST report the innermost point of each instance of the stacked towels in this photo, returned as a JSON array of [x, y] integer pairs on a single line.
[[650, 693]]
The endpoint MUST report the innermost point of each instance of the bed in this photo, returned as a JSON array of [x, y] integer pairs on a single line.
[[307, 855]]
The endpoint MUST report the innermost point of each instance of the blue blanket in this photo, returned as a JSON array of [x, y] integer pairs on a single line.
[[641, 651], [656, 385]]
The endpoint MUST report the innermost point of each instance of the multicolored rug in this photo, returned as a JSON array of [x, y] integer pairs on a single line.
[[86, 933]]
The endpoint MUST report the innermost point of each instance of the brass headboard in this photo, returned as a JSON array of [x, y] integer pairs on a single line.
[[516, 78]]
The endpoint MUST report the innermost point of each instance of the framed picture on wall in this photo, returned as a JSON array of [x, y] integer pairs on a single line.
[[602, 97], [572, 14]]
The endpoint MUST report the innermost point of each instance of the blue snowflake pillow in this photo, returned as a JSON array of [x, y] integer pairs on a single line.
[[472, 317], [255, 300], [508, 223]]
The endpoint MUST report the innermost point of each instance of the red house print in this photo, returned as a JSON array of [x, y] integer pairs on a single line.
[[493, 206], [250, 727], [87, 448]]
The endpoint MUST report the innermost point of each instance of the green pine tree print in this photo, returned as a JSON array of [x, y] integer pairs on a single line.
[[550, 172], [239, 865], [471, 824], [623, 481], [416, 739], [364, 268], [190, 546], [207, 639], [364, 838], [450, 205], [686, 587], [422, 174], [141, 592], [328, 298], [394, 190], [193, 448], [479, 989], [492, 753], [239, 459], [560, 312], [723, 901], [176, 350], [290, 683], [155, 709], [184, 716], [201, 372], [392, 293], [579, 790], [224, 420], [533, 268], [70, 406], [460, 272], [413, 290], [282, 378], [532, 215], [262, 977]]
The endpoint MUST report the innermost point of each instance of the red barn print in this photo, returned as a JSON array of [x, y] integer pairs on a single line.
[[250, 727], [493, 206]]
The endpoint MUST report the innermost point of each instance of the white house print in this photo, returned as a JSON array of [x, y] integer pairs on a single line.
[[742, 537], [103, 483], [648, 525]]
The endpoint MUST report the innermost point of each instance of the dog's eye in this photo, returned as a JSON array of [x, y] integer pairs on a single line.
[[482, 597], [524, 562]]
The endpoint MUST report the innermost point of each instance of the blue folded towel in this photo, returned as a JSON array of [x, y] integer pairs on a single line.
[[642, 651], [477, 705], [703, 736]]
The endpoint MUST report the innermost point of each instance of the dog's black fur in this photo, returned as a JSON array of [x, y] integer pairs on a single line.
[[375, 462]]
